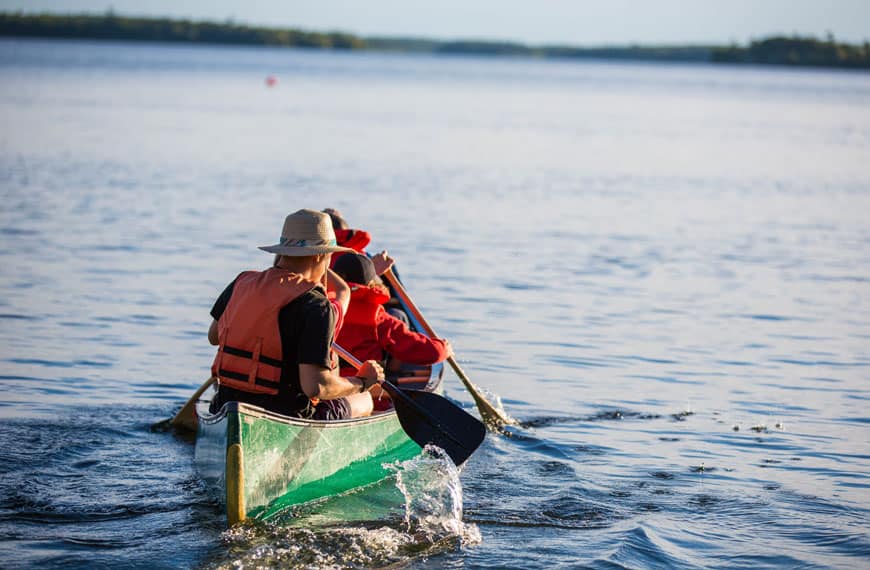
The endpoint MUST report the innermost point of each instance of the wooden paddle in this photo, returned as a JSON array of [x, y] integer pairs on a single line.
[[429, 418], [493, 416], [185, 419]]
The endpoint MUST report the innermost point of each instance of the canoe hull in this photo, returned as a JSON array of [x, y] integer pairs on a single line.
[[264, 462]]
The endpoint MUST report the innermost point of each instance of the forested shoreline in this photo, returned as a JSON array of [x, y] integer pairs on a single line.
[[793, 51]]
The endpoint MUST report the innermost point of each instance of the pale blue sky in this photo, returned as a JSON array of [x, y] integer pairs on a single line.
[[576, 22]]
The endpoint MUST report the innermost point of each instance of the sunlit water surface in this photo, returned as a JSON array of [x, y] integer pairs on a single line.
[[663, 271]]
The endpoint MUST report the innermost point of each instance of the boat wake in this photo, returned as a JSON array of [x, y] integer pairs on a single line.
[[425, 520]]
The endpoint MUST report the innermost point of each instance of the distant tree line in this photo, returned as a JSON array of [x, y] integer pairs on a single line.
[[778, 50], [112, 27], [797, 51]]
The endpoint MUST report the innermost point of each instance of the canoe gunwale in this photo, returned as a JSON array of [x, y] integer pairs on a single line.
[[261, 413]]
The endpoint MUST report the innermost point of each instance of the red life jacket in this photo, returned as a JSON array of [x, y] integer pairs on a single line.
[[369, 332], [354, 239], [249, 356], [359, 333]]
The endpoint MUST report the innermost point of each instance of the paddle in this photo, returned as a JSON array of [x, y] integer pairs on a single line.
[[428, 418], [493, 416], [185, 419]]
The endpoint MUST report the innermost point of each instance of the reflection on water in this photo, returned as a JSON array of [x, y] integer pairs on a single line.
[[661, 270]]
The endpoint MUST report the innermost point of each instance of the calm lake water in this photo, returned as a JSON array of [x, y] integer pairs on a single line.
[[662, 270]]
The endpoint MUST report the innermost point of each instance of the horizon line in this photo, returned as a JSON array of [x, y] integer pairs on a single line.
[[232, 21]]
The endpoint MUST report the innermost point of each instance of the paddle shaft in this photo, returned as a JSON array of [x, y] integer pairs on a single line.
[[489, 413], [186, 418], [357, 363]]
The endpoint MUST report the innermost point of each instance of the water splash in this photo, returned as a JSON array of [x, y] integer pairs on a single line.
[[430, 523], [433, 497], [257, 544], [496, 402]]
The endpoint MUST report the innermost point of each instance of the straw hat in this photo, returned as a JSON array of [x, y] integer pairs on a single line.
[[306, 232]]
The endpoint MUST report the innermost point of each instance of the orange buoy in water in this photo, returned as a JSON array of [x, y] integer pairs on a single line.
[[271, 81]]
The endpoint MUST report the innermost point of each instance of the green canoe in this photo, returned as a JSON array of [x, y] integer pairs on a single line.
[[264, 462]]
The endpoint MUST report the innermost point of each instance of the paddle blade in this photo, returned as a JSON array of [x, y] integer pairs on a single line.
[[428, 418], [185, 419], [494, 417]]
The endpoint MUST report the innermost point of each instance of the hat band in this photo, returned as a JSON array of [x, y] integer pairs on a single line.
[[288, 242]]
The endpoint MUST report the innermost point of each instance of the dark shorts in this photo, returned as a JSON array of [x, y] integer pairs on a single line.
[[326, 410]]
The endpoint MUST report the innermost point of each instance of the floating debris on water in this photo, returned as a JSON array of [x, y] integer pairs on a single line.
[[763, 427], [607, 415], [681, 416]]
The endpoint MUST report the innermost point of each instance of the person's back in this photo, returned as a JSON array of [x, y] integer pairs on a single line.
[[272, 314]]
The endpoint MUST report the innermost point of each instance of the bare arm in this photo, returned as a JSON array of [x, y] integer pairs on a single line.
[[213, 333], [336, 284], [322, 383]]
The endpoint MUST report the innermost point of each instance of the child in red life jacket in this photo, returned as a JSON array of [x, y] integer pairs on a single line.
[[369, 332]]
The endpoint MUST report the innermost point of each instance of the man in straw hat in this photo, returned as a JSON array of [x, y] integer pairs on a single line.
[[274, 330]]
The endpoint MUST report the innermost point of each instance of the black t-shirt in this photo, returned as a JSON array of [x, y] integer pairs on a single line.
[[307, 326]]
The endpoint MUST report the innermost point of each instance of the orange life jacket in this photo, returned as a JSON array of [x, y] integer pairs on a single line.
[[249, 356]]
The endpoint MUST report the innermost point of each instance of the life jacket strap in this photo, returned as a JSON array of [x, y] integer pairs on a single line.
[[252, 376], [261, 382], [233, 351], [222, 346]]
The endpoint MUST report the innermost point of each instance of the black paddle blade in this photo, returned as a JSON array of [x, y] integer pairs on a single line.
[[428, 418]]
